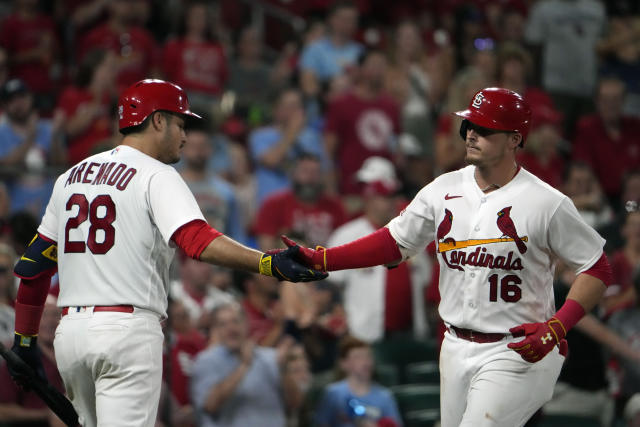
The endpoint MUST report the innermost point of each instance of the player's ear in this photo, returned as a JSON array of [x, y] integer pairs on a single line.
[[515, 139], [158, 120]]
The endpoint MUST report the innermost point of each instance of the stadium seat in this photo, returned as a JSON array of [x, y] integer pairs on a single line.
[[423, 372], [558, 420], [387, 375], [412, 397], [404, 350], [422, 418]]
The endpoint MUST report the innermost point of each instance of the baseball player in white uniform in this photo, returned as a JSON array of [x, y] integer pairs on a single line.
[[499, 230], [110, 229]]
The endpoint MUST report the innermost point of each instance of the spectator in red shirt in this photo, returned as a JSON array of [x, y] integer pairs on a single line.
[[25, 407], [624, 262], [608, 140], [30, 39], [186, 343], [86, 105], [194, 60], [541, 154], [263, 309], [304, 210], [135, 48], [363, 122]]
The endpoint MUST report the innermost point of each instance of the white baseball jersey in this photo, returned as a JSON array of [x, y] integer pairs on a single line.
[[496, 251], [364, 288], [113, 216]]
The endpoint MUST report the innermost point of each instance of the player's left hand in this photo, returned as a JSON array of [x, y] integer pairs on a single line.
[[284, 266], [26, 347], [539, 339]]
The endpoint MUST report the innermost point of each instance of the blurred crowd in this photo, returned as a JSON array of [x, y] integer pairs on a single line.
[[322, 120]]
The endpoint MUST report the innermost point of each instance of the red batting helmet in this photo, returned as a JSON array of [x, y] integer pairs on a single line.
[[499, 109], [141, 99]]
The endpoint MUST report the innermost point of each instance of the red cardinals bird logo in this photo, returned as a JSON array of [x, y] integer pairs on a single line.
[[445, 225], [506, 226]]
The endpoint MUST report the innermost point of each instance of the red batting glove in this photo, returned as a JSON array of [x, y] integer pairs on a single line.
[[312, 258], [539, 339]]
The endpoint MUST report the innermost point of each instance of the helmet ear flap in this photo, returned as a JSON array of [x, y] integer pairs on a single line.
[[463, 129]]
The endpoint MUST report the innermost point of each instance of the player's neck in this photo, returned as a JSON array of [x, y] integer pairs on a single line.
[[493, 178], [141, 144]]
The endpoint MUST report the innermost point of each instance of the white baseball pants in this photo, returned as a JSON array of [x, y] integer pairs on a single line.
[[111, 365], [489, 385]]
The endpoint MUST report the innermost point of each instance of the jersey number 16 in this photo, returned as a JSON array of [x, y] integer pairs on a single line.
[[90, 211]]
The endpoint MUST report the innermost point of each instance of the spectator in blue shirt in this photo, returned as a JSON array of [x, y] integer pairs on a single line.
[[274, 147], [214, 195], [27, 145], [356, 400], [329, 56], [235, 383]]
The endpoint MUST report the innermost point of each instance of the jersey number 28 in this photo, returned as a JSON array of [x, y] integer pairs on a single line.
[[104, 223]]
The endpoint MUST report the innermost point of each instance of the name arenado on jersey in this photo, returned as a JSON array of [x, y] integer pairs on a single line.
[[479, 258], [102, 173]]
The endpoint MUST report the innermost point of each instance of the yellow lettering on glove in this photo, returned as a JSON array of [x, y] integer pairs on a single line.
[[265, 265]]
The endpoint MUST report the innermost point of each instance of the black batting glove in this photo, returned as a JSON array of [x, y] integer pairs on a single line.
[[283, 266], [26, 347]]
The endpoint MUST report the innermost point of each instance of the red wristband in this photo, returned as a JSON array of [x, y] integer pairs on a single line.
[[28, 318], [378, 248], [569, 314]]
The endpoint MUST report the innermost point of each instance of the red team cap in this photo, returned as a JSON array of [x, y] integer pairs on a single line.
[[141, 99], [499, 109]]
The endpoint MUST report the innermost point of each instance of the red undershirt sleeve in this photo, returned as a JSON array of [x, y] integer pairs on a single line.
[[194, 236], [601, 270], [378, 248]]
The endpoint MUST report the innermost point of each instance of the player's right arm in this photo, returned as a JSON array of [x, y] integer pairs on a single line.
[[404, 236], [179, 219]]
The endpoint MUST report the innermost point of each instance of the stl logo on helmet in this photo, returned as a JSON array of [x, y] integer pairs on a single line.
[[477, 101]]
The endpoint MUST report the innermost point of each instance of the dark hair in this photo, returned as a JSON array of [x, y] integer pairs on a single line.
[[349, 343], [145, 124], [366, 53], [182, 26], [341, 4], [88, 65]]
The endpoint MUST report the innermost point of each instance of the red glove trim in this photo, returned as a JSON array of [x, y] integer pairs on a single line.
[[377, 248], [194, 237], [601, 270], [569, 314], [32, 294]]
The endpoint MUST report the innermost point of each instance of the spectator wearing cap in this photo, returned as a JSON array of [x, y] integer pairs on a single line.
[[23, 407], [377, 300], [135, 49], [29, 36], [329, 56], [306, 209], [275, 146], [361, 123], [27, 143], [541, 155], [608, 140], [87, 103]]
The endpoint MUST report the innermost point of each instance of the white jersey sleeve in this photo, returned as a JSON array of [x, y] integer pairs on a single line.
[[414, 228], [171, 203], [571, 239], [49, 224]]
